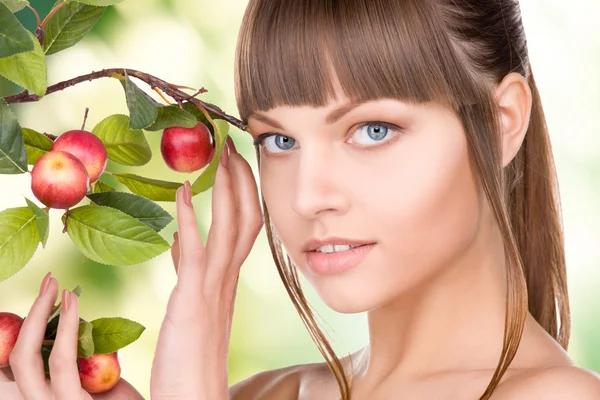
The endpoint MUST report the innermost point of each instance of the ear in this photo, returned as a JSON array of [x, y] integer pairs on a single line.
[[514, 101]]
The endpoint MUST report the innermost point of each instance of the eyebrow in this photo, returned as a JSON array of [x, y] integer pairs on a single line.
[[331, 118]]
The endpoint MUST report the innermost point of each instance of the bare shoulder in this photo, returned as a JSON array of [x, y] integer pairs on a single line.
[[276, 384], [564, 382]]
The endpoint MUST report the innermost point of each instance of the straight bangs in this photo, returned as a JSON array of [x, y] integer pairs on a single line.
[[303, 53]]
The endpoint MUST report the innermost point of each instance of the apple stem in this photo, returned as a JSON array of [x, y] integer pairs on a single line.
[[66, 221], [52, 12], [85, 118], [37, 16], [170, 89], [51, 137], [48, 342], [161, 94]]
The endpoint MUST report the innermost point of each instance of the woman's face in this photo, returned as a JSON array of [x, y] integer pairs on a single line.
[[386, 173]]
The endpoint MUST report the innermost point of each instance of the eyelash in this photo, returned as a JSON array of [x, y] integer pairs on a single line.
[[394, 128]]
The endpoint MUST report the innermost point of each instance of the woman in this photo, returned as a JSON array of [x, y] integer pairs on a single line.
[[406, 172]]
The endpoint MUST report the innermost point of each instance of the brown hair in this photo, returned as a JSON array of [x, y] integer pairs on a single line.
[[452, 51]]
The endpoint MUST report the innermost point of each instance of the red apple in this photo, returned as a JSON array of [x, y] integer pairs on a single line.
[[100, 372], [187, 149], [59, 180], [10, 325], [87, 147]]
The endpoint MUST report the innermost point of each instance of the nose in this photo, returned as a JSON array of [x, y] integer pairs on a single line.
[[319, 185]]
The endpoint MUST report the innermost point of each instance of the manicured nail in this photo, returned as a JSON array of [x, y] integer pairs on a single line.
[[225, 156], [45, 283], [66, 300], [175, 236], [188, 193], [231, 144]]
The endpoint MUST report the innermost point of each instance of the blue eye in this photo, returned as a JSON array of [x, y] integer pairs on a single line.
[[373, 132], [278, 143]]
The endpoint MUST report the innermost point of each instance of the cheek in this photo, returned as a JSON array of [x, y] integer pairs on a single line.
[[276, 186], [431, 212]]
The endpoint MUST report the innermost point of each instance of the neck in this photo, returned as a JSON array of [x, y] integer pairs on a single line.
[[454, 322]]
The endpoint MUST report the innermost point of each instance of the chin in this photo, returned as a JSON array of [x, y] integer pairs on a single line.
[[356, 291]]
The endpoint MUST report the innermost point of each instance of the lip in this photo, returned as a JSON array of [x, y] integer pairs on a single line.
[[338, 262], [314, 244]]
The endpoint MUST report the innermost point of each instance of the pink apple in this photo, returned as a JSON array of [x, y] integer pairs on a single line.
[[10, 325], [87, 147], [187, 149], [100, 372], [59, 180]]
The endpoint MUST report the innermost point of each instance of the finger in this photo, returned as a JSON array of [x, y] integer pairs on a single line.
[[250, 219], [64, 375], [191, 247], [26, 359], [175, 251], [4, 375], [222, 234]]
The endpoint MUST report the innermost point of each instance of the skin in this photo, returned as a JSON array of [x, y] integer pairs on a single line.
[[191, 354], [435, 315], [434, 284]]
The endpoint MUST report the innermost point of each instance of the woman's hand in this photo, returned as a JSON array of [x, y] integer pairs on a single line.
[[26, 380], [191, 356]]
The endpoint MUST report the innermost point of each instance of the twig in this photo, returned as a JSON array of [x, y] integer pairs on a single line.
[[52, 12], [26, 97], [200, 91]]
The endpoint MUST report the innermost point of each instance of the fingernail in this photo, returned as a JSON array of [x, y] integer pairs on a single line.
[[231, 144], [188, 193], [45, 283], [175, 236], [225, 156], [66, 300]]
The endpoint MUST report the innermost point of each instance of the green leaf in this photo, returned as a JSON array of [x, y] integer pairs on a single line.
[[124, 146], [152, 189], [101, 187], [13, 157], [46, 351], [18, 240], [69, 25], [110, 236], [85, 344], [172, 116], [140, 208], [207, 179], [143, 110], [101, 3], [52, 325], [42, 221], [14, 38], [36, 144], [15, 5], [27, 70], [112, 334]]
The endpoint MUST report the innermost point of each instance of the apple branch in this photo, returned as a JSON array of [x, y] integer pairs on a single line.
[[154, 82]]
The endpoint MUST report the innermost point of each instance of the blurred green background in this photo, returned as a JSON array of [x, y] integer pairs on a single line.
[[192, 43]]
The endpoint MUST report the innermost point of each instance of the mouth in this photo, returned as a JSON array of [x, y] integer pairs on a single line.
[[333, 245], [337, 248], [334, 259]]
